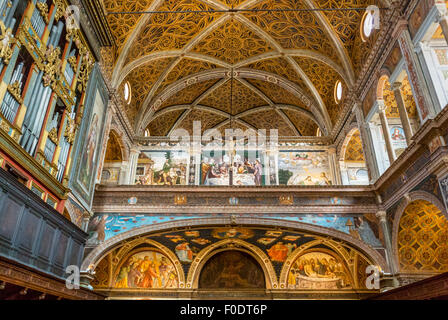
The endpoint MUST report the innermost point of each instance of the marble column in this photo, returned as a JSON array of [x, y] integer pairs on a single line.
[[386, 132], [367, 143], [414, 69], [334, 166], [396, 87], [443, 17], [133, 162], [382, 217]]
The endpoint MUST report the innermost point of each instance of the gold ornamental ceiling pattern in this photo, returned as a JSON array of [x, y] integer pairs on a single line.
[[354, 151], [269, 120], [160, 126], [182, 69], [306, 127], [208, 120], [232, 42], [292, 30], [277, 94], [423, 238], [172, 31], [189, 94], [324, 79], [141, 81], [123, 24], [278, 45], [243, 98], [281, 67]]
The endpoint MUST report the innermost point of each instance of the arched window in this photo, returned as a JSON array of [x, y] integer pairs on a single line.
[[147, 134], [338, 91], [367, 25], [127, 95]]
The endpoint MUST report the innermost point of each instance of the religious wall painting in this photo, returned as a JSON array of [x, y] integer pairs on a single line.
[[220, 168], [232, 270], [89, 141], [148, 269], [398, 139], [319, 271], [163, 168], [201, 241], [248, 169], [306, 168]]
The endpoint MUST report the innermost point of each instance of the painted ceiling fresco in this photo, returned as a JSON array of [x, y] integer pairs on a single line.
[[281, 58]]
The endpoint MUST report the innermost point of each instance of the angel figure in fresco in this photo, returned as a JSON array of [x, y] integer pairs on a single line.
[[97, 228], [278, 252], [184, 252]]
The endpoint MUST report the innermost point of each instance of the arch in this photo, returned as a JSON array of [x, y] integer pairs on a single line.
[[92, 259], [114, 141], [404, 204], [231, 244], [338, 248], [128, 249], [382, 79]]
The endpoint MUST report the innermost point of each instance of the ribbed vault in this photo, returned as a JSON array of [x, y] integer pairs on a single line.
[[258, 70]]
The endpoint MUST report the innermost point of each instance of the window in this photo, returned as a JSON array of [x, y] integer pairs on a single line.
[[367, 25], [127, 93], [338, 91], [147, 134]]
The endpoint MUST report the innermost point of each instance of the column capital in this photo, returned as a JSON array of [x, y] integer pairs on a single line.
[[401, 25], [441, 8], [381, 105], [332, 150], [397, 86], [381, 215]]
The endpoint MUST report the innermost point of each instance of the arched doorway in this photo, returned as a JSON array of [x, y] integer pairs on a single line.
[[232, 269]]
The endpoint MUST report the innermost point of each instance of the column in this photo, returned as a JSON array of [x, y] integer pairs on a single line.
[[85, 220], [334, 167], [443, 18], [419, 86], [382, 217], [367, 144], [396, 87], [386, 134], [133, 162]]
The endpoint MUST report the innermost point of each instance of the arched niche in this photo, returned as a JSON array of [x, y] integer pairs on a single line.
[[347, 272], [115, 159], [231, 244], [420, 235], [352, 160], [232, 269], [116, 267]]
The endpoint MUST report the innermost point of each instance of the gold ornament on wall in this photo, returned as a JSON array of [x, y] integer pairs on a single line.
[[6, 39], [15, 90]]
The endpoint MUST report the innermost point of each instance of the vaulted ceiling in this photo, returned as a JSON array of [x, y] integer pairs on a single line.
[[259, 70]]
